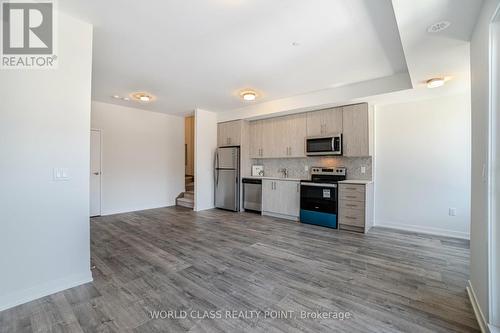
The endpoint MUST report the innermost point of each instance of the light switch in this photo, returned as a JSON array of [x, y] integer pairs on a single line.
[[452, 212], [306, 168], [61, 174], [363, 170]]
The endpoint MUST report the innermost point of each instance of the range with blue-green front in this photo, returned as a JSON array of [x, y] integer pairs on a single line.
[[318, 218], [319, 197]]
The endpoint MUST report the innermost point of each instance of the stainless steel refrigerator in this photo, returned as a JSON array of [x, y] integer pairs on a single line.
[[227, 178]]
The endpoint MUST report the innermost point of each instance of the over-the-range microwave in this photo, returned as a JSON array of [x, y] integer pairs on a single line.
[[324, 145]]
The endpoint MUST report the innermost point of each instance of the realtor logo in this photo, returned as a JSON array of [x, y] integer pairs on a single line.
[[28, 35]]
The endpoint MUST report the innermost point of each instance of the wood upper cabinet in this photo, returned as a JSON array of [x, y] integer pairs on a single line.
[[229, 133], [278, 137], [324, 122], [256, 139], [296, 132], [356, 130], [283, 137], [268, 138]]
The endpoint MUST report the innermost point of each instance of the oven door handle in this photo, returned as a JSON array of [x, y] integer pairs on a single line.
[[319, 185]]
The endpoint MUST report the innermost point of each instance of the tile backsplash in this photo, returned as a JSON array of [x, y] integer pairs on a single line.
[[297, 166]]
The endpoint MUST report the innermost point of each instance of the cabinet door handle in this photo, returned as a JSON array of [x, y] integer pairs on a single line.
[[350, 196], [298, 188]]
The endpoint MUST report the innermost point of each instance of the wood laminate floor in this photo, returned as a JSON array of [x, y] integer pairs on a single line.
[[173, 259]]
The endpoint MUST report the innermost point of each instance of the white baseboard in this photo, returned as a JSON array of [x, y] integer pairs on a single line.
[[424, 230], [281, 216], [494, 329], [107, 212], [199, 209], [483, 325], [26, 295]]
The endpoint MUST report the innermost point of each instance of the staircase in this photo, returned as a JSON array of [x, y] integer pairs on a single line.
[[186, 199]]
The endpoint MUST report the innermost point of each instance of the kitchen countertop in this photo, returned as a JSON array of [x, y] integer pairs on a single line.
[[354, 181], [275, 178], [347, 181]]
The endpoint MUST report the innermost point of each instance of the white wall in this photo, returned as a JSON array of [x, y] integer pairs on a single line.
[[45, 124], [142, 157], [422, 165], [495, 181], [205, 138], [480, 71]]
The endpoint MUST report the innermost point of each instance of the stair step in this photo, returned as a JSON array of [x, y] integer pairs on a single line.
[[185, 202], [190, 187], [189, 194]]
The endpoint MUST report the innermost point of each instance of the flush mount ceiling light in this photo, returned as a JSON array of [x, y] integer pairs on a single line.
[[116, 97], [439, 26], [143, 97], [435, 82], [248, 95]]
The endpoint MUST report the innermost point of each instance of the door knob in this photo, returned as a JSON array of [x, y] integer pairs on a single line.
[[96, 173]]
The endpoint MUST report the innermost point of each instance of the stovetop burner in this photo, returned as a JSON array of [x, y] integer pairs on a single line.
[[327, 175]]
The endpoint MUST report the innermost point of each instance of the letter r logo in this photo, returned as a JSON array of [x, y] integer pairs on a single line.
[[27, 28]]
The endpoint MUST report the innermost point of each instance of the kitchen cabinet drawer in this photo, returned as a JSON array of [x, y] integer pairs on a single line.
[[355, 207], [349, 204], [352, 217], [349, 188], [352, 196]]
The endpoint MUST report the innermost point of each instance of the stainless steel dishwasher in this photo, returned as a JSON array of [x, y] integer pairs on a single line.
[[252, 194]]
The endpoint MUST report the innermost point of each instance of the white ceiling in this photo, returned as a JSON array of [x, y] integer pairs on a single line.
[[428, 55], [201, 53]]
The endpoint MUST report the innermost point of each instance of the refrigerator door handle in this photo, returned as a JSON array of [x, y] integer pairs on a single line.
[[216, 166]]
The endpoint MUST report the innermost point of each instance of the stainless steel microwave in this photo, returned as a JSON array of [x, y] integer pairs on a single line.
[[324, 145]]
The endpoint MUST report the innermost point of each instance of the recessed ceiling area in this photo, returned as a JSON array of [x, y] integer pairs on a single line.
[[201, 53]]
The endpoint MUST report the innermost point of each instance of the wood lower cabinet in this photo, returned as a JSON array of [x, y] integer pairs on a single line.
[[355, 207], [229, 133], [281, 198], [324, 122]]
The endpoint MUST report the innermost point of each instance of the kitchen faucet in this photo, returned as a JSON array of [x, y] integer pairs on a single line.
[[284, 172]]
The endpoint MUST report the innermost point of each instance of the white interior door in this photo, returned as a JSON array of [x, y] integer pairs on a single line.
[[95, 173]]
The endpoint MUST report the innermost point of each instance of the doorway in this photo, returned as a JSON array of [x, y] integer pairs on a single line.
[[186, 198], [95, 172]]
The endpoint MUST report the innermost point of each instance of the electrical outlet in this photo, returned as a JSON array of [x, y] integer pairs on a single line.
[[452, 212], [363, 170], [306, 168]]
